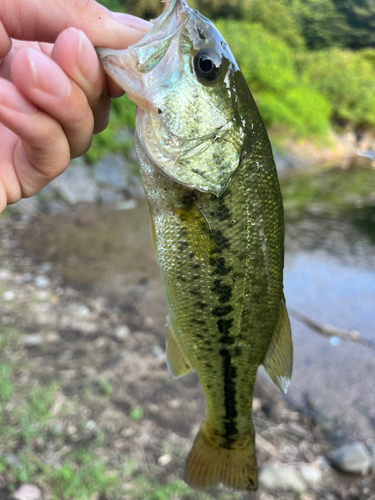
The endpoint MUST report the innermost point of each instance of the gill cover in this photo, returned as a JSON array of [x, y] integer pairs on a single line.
[[182, 77]]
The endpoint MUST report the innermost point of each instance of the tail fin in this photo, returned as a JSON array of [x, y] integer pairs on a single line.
[[215, 459]]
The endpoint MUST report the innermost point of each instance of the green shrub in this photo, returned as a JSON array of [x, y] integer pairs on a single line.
[[301, 109], [110, 140], [265, 60], [320, 23], [347, 80], [268, 66], [368, 55]]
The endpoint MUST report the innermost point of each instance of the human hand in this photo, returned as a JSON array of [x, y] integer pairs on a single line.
[[53, 96]]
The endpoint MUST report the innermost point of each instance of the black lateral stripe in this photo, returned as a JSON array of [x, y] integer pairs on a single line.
[[230, 375]]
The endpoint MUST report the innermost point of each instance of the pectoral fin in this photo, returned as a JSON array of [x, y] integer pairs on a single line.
[[153, 233], [177, 362], [279, 358]]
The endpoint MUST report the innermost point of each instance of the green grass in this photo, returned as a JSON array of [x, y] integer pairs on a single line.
[[136, 413], [28, 433]]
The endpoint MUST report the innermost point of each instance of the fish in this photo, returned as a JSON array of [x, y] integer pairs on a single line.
[[217, 225]]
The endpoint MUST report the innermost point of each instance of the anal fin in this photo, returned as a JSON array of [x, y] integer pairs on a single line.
[[278, 361], [177, 362]]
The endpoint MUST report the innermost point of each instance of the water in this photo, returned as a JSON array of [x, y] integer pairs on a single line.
[[329, 276]]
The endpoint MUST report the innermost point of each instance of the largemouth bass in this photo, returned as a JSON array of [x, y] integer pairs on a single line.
[[218, 230]]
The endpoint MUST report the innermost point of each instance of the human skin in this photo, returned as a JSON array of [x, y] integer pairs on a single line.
[[53, 91]]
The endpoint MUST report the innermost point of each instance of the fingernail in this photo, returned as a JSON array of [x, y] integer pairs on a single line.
[[47, 76], [87, 59], [11, 98], [132, 21]]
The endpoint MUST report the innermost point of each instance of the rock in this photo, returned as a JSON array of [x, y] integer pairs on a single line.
[[42, 282], [27, 492], [277, 477], [132, 155], [135, 188], [106, 196], [311, 474], [353, 458], [56, 207], [164, 460], [76, 186], [121, 333], [112, 171], [33, 340]]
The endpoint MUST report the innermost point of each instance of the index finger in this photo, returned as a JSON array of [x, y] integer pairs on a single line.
[[44, 21]]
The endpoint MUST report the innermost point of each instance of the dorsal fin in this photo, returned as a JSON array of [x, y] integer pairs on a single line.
[[279, 358]]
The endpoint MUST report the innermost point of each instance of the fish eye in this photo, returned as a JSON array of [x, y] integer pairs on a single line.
[[207, 64]]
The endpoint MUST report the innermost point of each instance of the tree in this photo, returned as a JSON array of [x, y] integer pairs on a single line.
[[360, 16], [320, 23]]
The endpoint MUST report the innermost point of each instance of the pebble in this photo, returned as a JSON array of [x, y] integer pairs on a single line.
[[5, 274], [78, 311], [42, 282], [53, 337], [45, 314], [121, 332], [126, 205], [285, 478], [145, 437], [354, 458], [90, 425], [311, 474], [72, 429], [164, 460], [13, 461], [158, 351], [9, 295], [27, 492], [33, 340]]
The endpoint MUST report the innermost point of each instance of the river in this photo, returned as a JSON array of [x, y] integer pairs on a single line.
[[329, 277]]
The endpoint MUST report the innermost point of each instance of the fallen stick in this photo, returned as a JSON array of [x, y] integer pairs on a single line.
[[331, 331]]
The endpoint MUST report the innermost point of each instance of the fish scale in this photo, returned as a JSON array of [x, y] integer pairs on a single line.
[[218, 230]]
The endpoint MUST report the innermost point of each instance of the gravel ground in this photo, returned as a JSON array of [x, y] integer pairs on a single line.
[[89, 411]]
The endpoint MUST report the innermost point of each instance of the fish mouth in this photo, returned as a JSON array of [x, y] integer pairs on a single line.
[[127, 67]]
